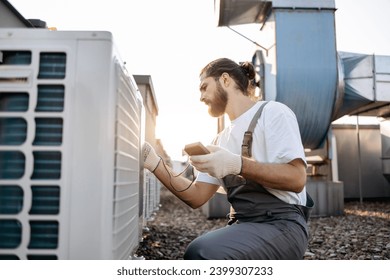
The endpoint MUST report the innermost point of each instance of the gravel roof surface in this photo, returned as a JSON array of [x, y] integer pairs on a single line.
[[363, 232]]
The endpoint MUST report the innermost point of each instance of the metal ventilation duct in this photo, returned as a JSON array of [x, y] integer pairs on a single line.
[[367, 83], [233, 12], [236, 12], [302, 67]]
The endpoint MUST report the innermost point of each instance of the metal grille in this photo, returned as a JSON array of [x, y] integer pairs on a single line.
[[126, 188], [30, 155]]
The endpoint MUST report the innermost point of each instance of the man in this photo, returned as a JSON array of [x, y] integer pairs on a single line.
[[264, 178]]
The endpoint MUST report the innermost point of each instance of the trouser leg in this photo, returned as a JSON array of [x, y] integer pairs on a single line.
[[251, 241]]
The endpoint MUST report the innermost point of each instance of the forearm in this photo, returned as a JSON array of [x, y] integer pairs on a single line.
[[287, 177], [192, 193]]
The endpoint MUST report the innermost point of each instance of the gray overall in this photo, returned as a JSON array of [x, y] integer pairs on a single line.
[[261, 225]]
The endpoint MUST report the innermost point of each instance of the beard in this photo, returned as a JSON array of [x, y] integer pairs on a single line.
[[217, 105]]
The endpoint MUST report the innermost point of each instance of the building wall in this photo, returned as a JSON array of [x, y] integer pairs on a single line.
[[10, 17], [150, 113], [145, 86]]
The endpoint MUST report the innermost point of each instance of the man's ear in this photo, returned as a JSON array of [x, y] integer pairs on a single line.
[[225, 79]]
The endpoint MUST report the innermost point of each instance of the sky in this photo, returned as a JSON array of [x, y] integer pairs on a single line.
[[171, 40]]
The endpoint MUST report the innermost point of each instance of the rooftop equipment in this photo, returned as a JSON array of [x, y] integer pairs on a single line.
[[70, 136], [298, 65]]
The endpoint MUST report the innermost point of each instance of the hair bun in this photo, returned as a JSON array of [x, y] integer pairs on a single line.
[[248, 69]]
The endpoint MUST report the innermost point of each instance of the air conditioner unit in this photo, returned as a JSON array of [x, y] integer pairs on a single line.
[[71, 183], [152, 192]]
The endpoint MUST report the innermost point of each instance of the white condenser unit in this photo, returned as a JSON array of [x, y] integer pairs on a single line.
[[151, 201], [71, 183]]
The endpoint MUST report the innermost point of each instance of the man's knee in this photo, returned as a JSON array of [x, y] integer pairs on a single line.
[[194, 251], [201, 249]]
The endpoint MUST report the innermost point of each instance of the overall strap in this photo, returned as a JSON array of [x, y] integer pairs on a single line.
[[246, 148]]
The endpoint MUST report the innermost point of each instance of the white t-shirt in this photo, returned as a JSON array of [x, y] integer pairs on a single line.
[[276, 139]]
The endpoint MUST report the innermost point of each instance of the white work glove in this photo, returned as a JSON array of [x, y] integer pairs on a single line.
[[218, 163], [151, 159]]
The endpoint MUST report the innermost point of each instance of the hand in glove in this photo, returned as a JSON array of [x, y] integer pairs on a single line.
[[218, 163], [151, 159]]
